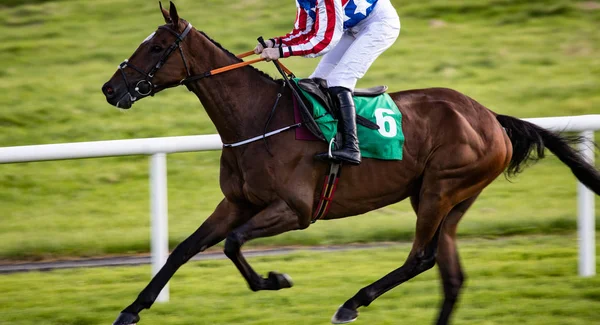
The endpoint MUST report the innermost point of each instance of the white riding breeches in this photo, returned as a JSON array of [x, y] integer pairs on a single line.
[[359, 47]]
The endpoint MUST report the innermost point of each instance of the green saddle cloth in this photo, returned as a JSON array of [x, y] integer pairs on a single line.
[[385, 143]]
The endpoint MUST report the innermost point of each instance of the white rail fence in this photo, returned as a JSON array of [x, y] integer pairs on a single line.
[[157, 148]]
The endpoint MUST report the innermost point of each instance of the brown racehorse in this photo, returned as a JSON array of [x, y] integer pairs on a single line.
[[454, 148]]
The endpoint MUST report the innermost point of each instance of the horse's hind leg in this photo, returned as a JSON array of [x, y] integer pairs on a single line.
[[433, 208], [448, 260], [226, 217], [447, 256], [277, 218]]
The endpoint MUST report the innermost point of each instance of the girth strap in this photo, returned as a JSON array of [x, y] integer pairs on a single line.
[[329, 187]]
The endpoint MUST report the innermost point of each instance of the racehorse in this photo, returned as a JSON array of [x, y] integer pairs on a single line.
[[454, 148]]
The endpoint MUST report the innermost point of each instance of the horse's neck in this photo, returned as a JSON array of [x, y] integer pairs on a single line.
[[237, 101]]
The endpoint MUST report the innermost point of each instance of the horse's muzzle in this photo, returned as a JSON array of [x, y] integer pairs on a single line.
[[119, 97]]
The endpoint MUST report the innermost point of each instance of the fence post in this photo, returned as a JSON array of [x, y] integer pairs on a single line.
[[586, 214], [158, 208]]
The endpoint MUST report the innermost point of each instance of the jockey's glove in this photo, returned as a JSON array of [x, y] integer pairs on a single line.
[[259, 48], [270, 54]]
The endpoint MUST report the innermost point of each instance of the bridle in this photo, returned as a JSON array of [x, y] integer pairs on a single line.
[[146, 87]]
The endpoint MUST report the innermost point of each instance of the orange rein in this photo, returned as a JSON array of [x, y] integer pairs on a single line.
[[245, 54], [245, 63], [231, 67], [234, 66]]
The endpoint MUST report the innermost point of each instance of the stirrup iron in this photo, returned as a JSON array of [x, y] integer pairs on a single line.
[[331, 143]]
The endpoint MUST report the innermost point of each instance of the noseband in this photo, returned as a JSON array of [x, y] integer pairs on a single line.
[[145, 87]]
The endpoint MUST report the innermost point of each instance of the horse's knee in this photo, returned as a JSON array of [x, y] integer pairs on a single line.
[[426, 259], [233, 242], [428, 263]]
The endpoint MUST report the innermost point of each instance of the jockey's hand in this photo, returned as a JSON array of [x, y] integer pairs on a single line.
[[270, 54], [259, 48]]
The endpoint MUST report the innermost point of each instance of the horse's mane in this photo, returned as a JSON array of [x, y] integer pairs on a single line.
[[235, 57]]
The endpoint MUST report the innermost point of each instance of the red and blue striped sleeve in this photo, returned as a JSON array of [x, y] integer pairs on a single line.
[[325, 32], [302, 26]]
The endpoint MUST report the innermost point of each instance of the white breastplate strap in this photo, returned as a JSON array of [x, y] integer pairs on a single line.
[[260, 137]]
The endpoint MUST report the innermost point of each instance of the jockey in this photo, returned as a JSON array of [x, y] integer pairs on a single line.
[[350, 35]]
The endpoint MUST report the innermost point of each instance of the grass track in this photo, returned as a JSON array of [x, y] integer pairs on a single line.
[[522, 58], [525, 280]]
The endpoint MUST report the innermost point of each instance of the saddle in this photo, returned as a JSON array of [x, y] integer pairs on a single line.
[[317, 87]]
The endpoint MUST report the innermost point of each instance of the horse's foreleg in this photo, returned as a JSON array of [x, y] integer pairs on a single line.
[[226, 217], [275, 219], [431, 212]]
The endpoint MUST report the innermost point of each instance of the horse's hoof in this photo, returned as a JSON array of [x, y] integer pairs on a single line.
[[281, 281], [127, 319], [344, 315]]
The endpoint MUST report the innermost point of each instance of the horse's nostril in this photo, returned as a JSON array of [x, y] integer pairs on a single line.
[[108, 90]]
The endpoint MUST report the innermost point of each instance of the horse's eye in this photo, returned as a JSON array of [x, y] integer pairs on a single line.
[[156, 49]]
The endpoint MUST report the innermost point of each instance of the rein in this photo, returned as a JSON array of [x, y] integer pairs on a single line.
[[230, 67], [217, 71]]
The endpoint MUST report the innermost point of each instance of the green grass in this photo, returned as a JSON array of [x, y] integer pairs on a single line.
[[525, 280], [527, 59]]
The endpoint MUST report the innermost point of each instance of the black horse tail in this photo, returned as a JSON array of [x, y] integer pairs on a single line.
[[529, 140]]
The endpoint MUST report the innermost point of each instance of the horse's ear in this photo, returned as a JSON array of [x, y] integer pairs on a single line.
[[174, 15], [165, 13]]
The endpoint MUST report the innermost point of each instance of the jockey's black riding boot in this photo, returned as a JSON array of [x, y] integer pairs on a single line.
[[350, 152]]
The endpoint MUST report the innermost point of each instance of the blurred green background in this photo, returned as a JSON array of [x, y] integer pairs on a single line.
[[522, 58]]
